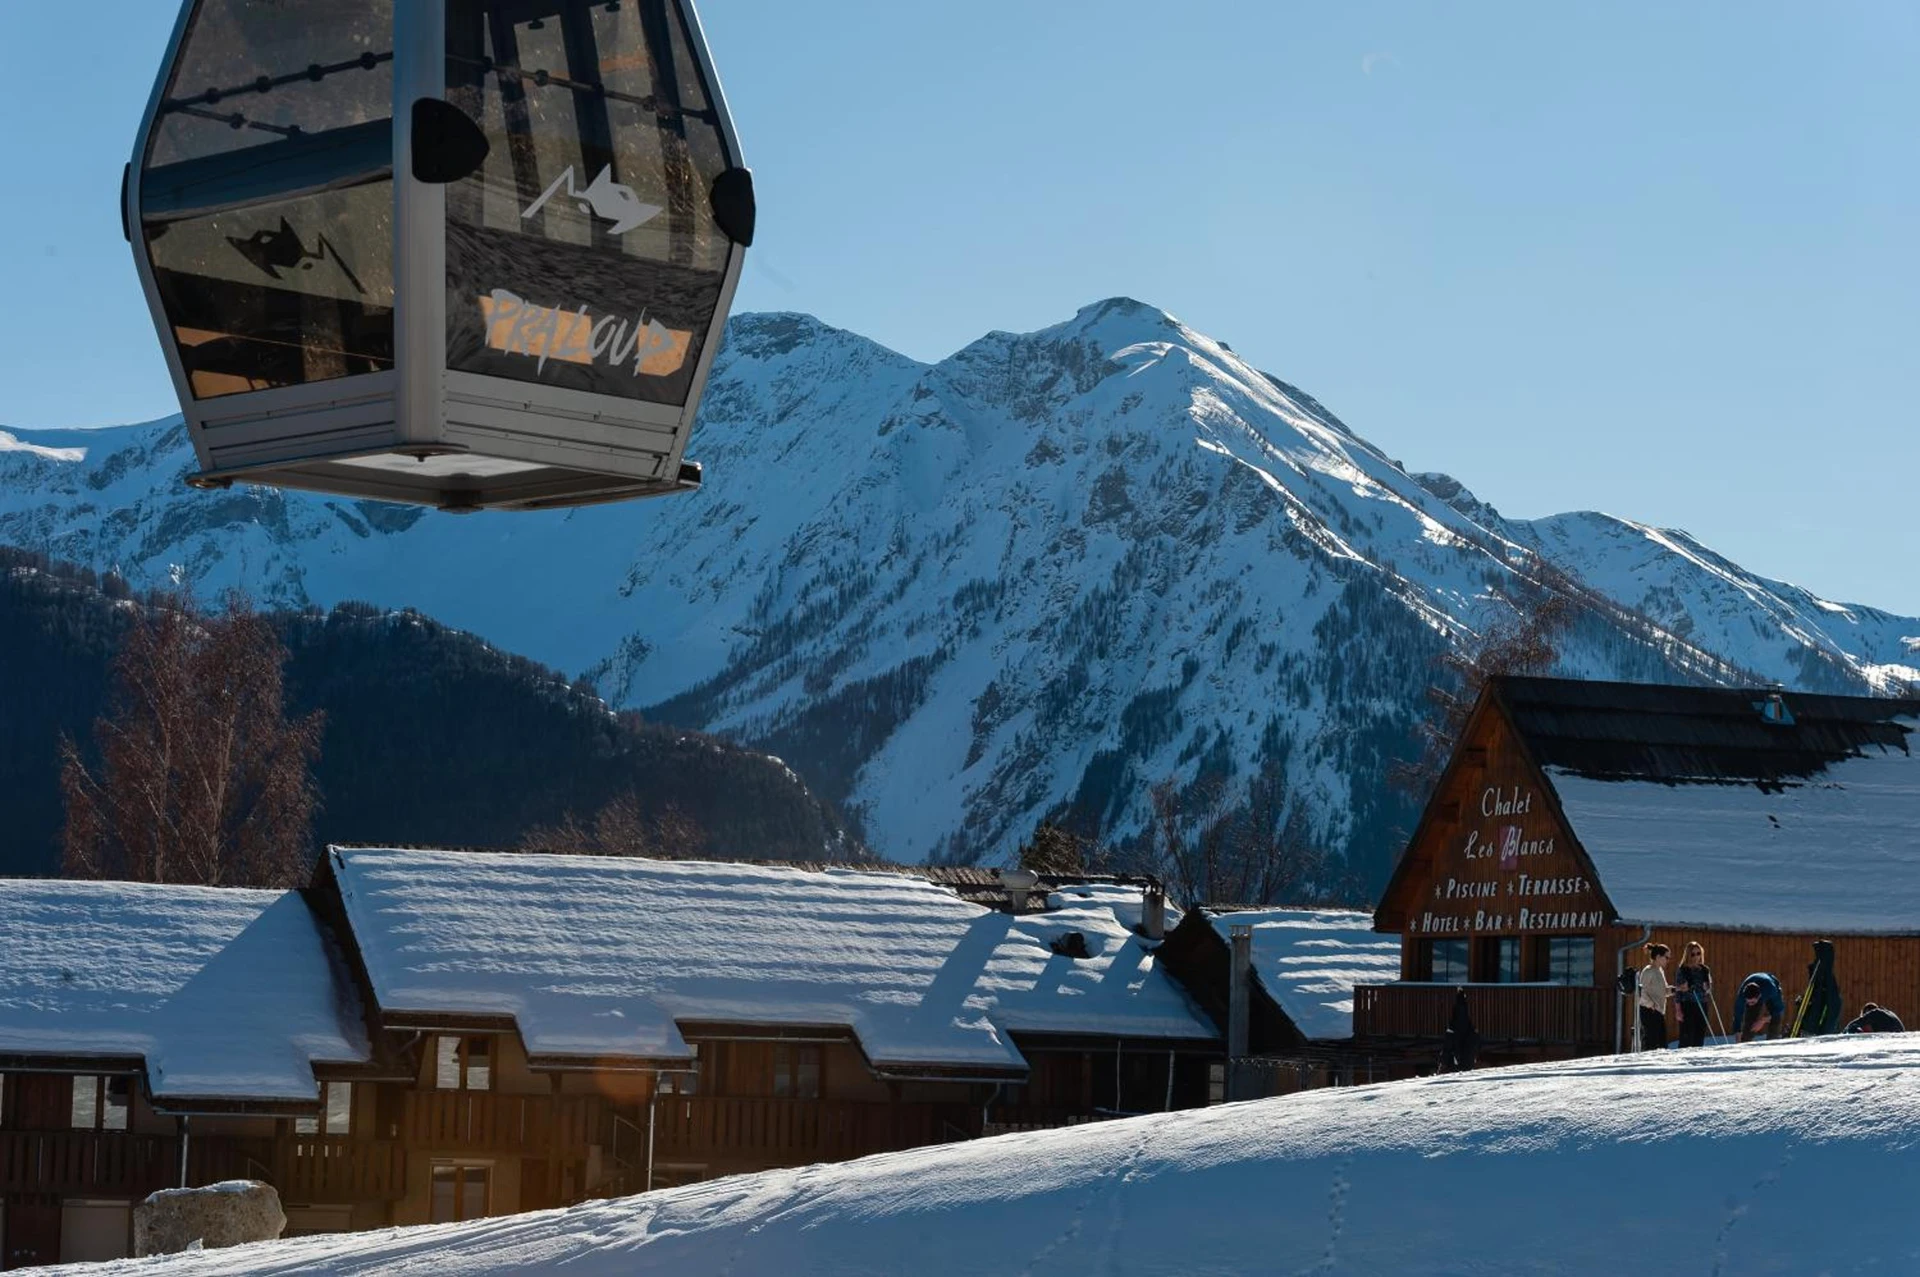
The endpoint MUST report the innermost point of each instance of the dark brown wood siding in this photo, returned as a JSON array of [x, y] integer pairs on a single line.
[[1879, 969]]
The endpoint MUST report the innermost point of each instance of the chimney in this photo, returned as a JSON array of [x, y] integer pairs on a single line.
[[1153, 912], [1239, 974], [1018, 882]]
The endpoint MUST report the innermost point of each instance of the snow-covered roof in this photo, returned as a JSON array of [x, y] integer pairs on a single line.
[[1787, 1157], [600, 956], [1837, 852], [224, 993], [1308, 961]]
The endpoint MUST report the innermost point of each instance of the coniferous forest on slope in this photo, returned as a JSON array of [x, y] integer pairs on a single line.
[[432, 736]]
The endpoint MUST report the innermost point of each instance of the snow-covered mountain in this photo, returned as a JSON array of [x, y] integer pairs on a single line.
[[1041, 574]]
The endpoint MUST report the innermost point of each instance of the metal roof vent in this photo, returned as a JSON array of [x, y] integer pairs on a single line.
[[1018, 882]]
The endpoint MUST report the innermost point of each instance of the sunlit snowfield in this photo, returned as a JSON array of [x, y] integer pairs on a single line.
[[1795, 1157]]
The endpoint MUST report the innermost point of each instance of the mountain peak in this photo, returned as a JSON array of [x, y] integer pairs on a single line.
[[774, 333]]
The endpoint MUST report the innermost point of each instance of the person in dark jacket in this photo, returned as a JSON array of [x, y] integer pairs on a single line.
[[1693, 993], [1874, 1019], [1759, 1008], [1819, 1012], [1460, 1042]]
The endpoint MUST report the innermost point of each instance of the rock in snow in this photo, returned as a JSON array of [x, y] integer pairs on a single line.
[[1049, 570], [1794, 1157]]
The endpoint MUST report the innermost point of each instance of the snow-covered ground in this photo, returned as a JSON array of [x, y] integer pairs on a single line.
[[1795, 1157]]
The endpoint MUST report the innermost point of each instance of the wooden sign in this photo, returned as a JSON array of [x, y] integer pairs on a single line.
[[1503, 865]]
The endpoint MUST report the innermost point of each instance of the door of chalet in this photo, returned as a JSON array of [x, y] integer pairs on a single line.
[[31, 1232]]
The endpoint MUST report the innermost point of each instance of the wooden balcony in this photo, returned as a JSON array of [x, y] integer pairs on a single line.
[[1546, 1014], [119, 1164], [113, 1163], [796, 1132], [477, 1121], [327, 1171]]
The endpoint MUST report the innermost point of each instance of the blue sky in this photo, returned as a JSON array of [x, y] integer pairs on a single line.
[[1654, 259]]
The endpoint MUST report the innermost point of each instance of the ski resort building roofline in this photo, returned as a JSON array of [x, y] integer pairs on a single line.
[[1575, 821], [1709, 807], [596, 962], [224, 1000]]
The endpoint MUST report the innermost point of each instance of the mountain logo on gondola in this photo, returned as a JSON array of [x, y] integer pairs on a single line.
[[283, 250], [603, 197]]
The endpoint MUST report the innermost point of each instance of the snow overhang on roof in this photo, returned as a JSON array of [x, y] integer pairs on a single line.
[[1309, 960], [1837, 852], [599, 958], [228, 996]]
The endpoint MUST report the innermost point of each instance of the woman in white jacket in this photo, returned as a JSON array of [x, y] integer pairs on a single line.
[[1653, 997]]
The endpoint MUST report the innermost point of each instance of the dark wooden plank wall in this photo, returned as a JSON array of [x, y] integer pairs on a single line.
[[1880, 969]]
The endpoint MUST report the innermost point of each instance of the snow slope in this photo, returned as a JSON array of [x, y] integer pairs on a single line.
[[1795, 1157], [1037, 576]]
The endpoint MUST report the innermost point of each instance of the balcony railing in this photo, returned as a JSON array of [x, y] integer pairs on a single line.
[[536, 1125], [1502, 1013], [116, 1163], [122, 1164], [326, 1171], [794, 1132]]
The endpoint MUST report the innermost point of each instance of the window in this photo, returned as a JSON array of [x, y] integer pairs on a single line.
[[266, 194], [336, 1103], [1570, 960], [687, 1083], [101, 1103], [1501, 958], [1217, 1082], [796, 1072], [463, 1064], [1446, 961], [460, 1192], [584, 252]]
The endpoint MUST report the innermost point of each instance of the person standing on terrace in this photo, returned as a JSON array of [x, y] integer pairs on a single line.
[[1692, 987], [1652, 1000]]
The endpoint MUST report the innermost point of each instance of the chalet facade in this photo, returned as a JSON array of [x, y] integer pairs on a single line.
[[428, 1036], [150, 1035], [1576, 821]]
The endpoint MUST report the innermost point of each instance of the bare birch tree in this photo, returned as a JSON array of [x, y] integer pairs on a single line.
[[201, 776]]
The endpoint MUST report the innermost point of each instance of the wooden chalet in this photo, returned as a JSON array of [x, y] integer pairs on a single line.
[[1291, 1026], [151, 1036], [523, 1031], [1577, 820]]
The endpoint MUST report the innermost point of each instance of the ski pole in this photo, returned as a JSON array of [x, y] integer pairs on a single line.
[[1718, 1019]]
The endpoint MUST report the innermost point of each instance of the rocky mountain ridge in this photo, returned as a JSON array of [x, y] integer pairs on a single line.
[[1031, 579]]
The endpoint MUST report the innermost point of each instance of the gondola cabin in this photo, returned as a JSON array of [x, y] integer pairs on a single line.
[[471, 254], [1578, 820]]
